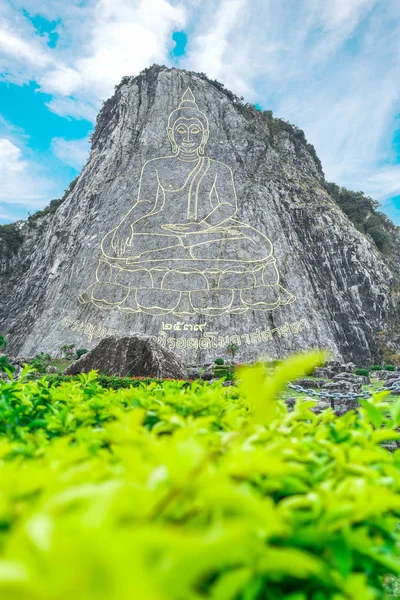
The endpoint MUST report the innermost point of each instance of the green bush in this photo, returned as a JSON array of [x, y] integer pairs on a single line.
[[223, 371], [364, 372], [112, 382], [40, 362], [362, 211], [376, 368], [5, 365], [81, 351], [219, 361], [390, 368], [3, 343], [166, 492]]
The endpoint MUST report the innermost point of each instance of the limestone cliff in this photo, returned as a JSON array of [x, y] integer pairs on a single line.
[[236, 242]]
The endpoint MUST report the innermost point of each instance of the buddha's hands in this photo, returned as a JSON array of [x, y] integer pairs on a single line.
[[185, 228], [122, 238]]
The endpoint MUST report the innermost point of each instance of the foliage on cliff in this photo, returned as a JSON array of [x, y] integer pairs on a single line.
[[11, 234], [167, 492], [362, 211]]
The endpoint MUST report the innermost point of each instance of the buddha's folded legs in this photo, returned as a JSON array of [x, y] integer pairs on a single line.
[[148, 246], [240, 242]]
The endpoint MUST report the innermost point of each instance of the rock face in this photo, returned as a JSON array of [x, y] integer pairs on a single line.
[[343, 386], [130, 357], [203, 223]]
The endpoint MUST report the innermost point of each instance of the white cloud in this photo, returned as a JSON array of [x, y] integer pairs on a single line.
[[71, 108], [20, 49], [19, 180], [123, 38], [72, 152], [385, 182], [100, 42], [211, 52], [61, 80]]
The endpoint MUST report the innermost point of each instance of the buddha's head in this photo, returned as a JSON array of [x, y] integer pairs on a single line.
[[188, 127]]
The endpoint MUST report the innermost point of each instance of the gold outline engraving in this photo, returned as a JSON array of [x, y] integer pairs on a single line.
[[198, 265]]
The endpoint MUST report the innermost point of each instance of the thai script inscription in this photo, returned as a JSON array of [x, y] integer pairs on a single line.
[[89, 329], [208, 340], [182, 326], [213, 340]]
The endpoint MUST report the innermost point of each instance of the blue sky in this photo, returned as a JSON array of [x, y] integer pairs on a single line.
[[332, 68]]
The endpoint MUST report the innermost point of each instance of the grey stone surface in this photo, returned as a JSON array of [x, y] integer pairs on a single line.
[[334, 366], [310, 384], [342, 386], [130, 357], [383, 375], [363, 379], [275, 268], [344, 406], [392, 381], [320, 406], [324, 372]]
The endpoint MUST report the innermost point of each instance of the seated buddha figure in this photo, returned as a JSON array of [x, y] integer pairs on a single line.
[[181, 249]]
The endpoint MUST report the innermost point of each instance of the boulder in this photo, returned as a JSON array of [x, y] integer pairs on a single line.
[[334, 365], [342, 386], [364, 380], [130, 357], [208, 373], [194, 373], [309, 384], [320, 406], [51, 369], [324, 372], [390, 382], [343, 406], [348, 367], [383, 375], [290, 402]]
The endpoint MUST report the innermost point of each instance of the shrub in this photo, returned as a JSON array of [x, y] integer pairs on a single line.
[[364, 372], [68, 350], [5, 365], [113, 382], [375, 368], [390, 368], [224, 371], [3, 342], [81, 351], [165, 491], [40, 362], [219, 361], [362, 211]]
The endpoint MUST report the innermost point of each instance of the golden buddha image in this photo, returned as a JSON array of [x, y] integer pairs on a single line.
[[180, 249]]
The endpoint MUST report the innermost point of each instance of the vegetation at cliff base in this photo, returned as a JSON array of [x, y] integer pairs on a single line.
[[189, 491]]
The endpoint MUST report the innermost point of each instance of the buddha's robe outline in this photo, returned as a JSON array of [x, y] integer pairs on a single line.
[[207, 196]]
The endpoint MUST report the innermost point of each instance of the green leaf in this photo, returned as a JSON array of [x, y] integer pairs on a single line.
[[374, 414]]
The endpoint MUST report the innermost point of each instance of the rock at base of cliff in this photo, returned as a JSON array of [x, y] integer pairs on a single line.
[[342, 386], [130, 357]]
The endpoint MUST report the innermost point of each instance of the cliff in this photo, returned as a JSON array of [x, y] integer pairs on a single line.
[[278, 268]]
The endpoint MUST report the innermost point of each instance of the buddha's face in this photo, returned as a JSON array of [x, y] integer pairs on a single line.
[[188, 135]]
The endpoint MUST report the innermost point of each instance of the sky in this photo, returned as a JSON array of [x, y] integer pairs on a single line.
[[330, 67]]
